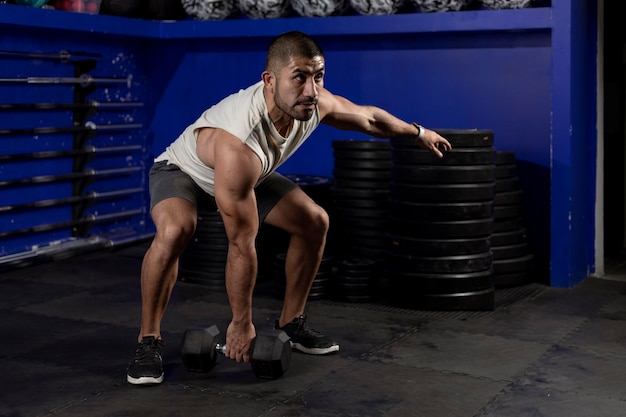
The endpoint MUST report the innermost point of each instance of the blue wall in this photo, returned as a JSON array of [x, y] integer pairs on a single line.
[[500, 70]]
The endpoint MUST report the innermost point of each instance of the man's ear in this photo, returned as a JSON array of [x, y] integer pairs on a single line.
[[268, 79]]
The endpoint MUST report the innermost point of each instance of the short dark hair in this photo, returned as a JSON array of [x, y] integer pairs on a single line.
[[288, 45]]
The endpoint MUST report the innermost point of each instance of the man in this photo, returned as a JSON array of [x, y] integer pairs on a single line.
[[227, 159]]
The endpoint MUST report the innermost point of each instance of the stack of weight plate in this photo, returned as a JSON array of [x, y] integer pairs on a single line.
[[204, 259], [356, 280], [361, 197], [321, 285], [513, 261], [360, 193], [440, 224]]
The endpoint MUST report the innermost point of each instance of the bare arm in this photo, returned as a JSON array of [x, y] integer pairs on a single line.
[[341, 113], [237, 169]]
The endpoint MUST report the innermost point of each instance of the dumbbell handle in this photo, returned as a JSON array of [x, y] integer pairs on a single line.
[[220, 349]]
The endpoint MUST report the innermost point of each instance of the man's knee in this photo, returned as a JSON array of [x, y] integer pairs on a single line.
[[175, 234], [317, 221], [175, 222]]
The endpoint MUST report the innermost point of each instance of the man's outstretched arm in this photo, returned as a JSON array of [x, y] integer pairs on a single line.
[[341, 113]]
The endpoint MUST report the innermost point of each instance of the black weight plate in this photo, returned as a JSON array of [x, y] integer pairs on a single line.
[[346, 225], [365, 144], [350, 203], [375, 254], [199, 259], [205, 267], [323, 278], [468, 138], [199, 263], [208, 280], [442, 192], [458, 138], [368, 164], [205, 215], [442, 283], [508, 225], [313, 296], [321, 281], [362, 154], [403, 245], [350, 274], [326, 263], [507, 184], [453, 157], [508, 197], [506, 171], [355, 263], [209, 231], [368, 185], [442, 174], [310, 181], [361, 241], [209, 245], [440, 229], [507, 211], [217, 224], [513, 280], [207, 249], [510, 251], [370, 213], [440, 211], [358, 174], [202, 255], [442, 264], [206, 240], [509, 238], [363, 285], [359, 193], [318, 287], [361, 236], [210, 224], [505, 157], [513, 265], [482, 300]]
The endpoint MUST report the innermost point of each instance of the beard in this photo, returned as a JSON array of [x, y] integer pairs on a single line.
[[297, 110]]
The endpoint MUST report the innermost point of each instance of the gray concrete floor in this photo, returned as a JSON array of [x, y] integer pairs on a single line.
[[69, 329]]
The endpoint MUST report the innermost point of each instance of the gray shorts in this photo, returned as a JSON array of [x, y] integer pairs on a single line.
[[167, 181]]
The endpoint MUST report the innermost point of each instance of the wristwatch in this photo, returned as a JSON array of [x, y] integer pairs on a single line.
[[420, 130]]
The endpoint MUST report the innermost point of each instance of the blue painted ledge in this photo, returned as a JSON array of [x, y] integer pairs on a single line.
[[481, 20]]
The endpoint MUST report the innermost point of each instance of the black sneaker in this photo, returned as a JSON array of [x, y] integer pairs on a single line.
[[307, 340], [147, 365]]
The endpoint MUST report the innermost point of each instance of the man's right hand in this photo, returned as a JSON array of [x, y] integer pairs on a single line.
[[239, 341]]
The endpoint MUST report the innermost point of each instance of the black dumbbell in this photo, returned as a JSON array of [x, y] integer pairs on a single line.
[[270, 357]]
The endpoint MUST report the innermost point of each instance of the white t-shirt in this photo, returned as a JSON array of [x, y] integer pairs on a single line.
[[244, 115]]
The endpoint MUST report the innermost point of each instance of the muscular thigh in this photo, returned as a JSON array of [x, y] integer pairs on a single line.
[[175, 198], [295, 212]]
